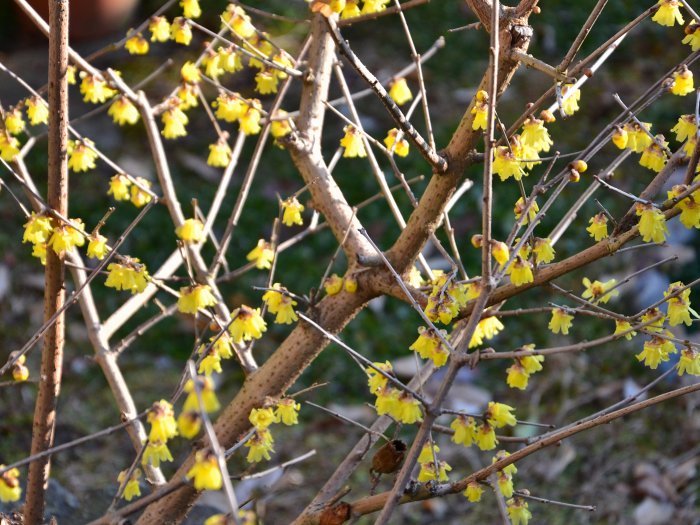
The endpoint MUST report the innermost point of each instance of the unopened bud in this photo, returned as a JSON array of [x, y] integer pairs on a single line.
[[477, 240], [574, 176], [547, 116], [579, 165]]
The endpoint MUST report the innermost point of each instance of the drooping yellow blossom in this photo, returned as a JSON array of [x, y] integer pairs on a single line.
[[191, 231], [131, 488], [375, 380], [520, 271], [219, 154], [500, 252], [119, 187], [333, 284], [532, 212], [535, 135], [9, 146], [205, 472], [195, 298], [155, 453], [140, 197], [620, 137], [353, 143], [689, 362], [561, 321], [266, 82], [656, 350], [400, 146], [261, 42], [262, 254], [465, 430], [521, 369], [123, 111], [238, 21], [81, 155], [249, 119], [212, 64], [174, 121], [524, 153], [571, 97], [136, 45], [130, 275], [480, 110], [210, 363], [159, 28], [181, 31], [505, 165], [622, 326], [230, 59], [685, 128], [350, 283], [162, 419], [499, 415], [487, 328], [248, 324], [287, 411], [261, 418], [505, 483], [429, 346], [280, 128], [189, 424], [473, 492], [259, 446], [654, 319], [543, 250], [407, 409], [428, 453], [374, 6], [668, 13], [206, 388], [97, 246], [351, 9], [70, 74], [427, 471], [39, 251], [638, 137], [190, 8], [654, 157], [37, 111], [596, 291], [679, 309], [690, 206], [280, 304], [399, 91], [65, 237], [682, 82], [598, 228], [652, 223], [37, 229], [10, 489], [292, 209], [485, 437], [511, 469], [229, 107], [692, 36], [95, 89], [518, 512], [386, 401]]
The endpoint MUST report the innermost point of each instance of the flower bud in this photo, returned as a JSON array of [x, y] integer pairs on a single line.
[[579, 165], [547, 116], [477, 240]]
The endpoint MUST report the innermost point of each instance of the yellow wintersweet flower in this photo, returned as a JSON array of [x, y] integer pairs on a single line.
[[119, 187], [427, 471], [505, 165], [37, 229], [131, 275], [473, 492], [261, 418], [140, 197], [511, 469], [520, 271], [180, 31], [14, 122], [280, 128], [210, 363], [560, 322], [191, 231], [620, 137], [333, 284], [65, 237], [428, 453], [571, 97], [685, 128], [596, 291], [351, 9], [280, 304], [259, 446], [652, 223], [429, 346], [656, 350], [518, 512], [39, 251], [97, 247], [266, 82], [9, 486], [195, 298], [292, 212], [262, 254], [485, 437], [692, 36], [480, 110], [162, 419], [653, 156], [689, 362], [249, 119], [212, 64], [499, 415], [189, 424], [229, 107], [598, 228], [155, 453], [136, 45], [206, 387], [123, 111], [131, 488], [219, 154], [353, 143], [535, 135], [649, 315], [517, 376], [374, 6], [159, 28], [205, 472], [386, 401], [679, 309], [247, 324], [37, 111], [543, 250], [20, 372], [81, 155], [400, 146], [9, 146], [465, 430], [399, 91], [407, 409], [189, 72], [230, 59], [505, 483], [350, 283], [690, 206], [682, 82], [519, 208], [638, 138], [239, 22], [531, 363], [261, 42], [377, 381], [287, 411], [70, 75], [174, 121], [668, 13], [624, 326], [95, 89], [487, 328], [191, 8]]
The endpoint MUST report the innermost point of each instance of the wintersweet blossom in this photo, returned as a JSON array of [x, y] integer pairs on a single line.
[[287, 411], [353, 143], [638, 137], [37, 229], [10, 489], [190, 8], [261, 418], [656, 350], [480, 110], [210, 363], [689, 362], [518, 511], [281, 304], [95, 89], [140, 197], [487, 329], [399, 91], [652, 223], [247, 324], [561, 321], [9, 146], [375, 380], [395, 141], [464, 430], [249, 119], [622, 326], [485, 437], [692, 36], [429, 346], [259, 446], [191, 231], [333, 284], [500, 252], [65, 236], [123, 111], [505, 483], [238, 21], [505, 165], [654, 157], [668, 13], [374, 6], [162, 419], [428, 473], [229, 107], [205, 473], [97, 246], [571, 97], [181, 31], [174, 121], [683, 82], [262, 254], [597, 291], [351, 9], [266, 82], [155, 453], [280, 127], [189, 424], [473, 492], [159, 28], [195, 298], [206, 389], [261, 42], [212, 64], [598, 228], [189, 72], [292, 209], [499, 415], [37, 111], [136, 45], [620, 137], [520, 271], [14, 121], [679, 309], [532, 211], [119, 187], [543, 250], [535, 135], [685, 128], [81, 155], [653, 319], [129, 275], [132, 488]]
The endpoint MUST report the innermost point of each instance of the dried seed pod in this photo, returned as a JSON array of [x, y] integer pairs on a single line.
[[388, 459], [336, 514]]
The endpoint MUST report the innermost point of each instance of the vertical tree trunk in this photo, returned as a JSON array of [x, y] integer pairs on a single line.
[[54, 294]]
